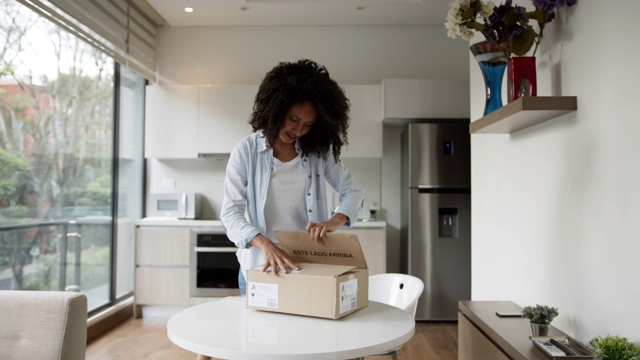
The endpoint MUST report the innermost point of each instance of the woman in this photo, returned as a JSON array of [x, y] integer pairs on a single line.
[[275, 177]]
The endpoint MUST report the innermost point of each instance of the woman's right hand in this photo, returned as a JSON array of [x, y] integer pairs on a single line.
[[274, 256]]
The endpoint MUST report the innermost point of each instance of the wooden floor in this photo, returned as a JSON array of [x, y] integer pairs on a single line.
[[146, 338]]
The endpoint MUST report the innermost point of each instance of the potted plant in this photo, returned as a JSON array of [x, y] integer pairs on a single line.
[[615, 348], [540, 317]]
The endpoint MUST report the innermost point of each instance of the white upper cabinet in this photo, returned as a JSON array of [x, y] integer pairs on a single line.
[[191, 121], [171, 122], [365, 131], [224, 116], [407, 99]]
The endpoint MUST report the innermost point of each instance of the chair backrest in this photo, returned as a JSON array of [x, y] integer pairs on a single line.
[[43, 325], [399, 290]]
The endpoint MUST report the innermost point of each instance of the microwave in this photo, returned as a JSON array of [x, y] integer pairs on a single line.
[[175, 205]]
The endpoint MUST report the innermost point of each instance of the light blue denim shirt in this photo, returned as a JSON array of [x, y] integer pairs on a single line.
[[245, 193]]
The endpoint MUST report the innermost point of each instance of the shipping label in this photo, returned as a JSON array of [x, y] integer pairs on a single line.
[[348, 295], [262, 295]]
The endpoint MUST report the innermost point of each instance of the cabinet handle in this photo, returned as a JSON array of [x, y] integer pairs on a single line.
[[216, 249]]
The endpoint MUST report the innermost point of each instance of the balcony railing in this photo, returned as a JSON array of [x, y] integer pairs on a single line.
[[47, 255]]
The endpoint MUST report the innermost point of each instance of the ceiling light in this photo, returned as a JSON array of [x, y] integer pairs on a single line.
[[361, 7], [245, 8], [188, 9]]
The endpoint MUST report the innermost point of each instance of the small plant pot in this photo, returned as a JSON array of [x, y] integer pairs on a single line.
[[539, 329]]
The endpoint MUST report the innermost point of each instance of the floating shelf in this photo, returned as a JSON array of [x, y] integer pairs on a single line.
[[523, 113]]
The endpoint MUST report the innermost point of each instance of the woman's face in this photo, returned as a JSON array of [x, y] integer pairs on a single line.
[[298, 121]]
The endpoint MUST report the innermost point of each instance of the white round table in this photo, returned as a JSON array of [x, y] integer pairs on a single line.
[[225, 329]]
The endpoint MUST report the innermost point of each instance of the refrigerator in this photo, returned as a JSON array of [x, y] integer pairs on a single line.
[[436, 215]]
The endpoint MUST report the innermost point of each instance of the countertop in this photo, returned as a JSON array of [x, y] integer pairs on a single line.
[[217, 223]]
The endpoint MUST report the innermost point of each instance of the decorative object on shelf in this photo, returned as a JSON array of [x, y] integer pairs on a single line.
[[373, 212], [492, 64], [521, 77], [615, 347], [509, 27], [540, 317]]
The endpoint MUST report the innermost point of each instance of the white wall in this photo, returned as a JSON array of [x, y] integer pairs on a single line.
[[556, 206], [352, 54]]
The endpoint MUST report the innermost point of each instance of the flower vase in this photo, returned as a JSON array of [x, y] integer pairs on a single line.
[[492, 63], [539, 329], [521, 77]]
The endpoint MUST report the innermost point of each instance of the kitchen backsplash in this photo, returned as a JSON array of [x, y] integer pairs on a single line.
[[206, 176]]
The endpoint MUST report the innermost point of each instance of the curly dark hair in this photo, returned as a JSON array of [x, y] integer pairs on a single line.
[[291, 83]]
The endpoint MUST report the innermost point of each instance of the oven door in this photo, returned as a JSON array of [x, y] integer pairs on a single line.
[[214, 266]]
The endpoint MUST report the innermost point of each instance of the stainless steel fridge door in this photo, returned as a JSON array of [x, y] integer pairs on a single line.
[[439, 155], [439, 250]]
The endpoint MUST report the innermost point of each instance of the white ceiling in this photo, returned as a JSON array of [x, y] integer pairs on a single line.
[[301, 12]]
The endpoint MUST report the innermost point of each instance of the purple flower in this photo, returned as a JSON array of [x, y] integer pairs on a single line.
[[540, 314], [551, 5], [508, 26]]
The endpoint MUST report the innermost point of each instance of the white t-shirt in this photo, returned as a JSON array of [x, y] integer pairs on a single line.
[[285, 205]]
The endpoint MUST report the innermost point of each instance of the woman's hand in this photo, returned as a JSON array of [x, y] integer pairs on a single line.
[[320, 229], [275, 257]]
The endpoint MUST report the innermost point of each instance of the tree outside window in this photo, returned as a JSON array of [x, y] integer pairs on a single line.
[[56, 156]]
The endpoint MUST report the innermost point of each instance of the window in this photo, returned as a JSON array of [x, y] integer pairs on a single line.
[[71, 163]]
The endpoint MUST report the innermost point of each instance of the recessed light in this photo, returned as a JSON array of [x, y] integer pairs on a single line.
[[245, 8], [188, 9], [361, 7]]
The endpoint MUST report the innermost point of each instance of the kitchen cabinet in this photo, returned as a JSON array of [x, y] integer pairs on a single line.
[[184, 122], [483, 335], [413, 99], [162, 266], [189, 121], [365, 131], [373, 241], [223, 116], [171, 122]]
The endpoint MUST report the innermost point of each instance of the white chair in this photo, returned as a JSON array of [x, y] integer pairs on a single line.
[[43, 325], [399, 290]]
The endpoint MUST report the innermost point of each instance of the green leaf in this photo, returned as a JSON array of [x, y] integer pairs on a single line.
[[510, 18], [469, 14], [474, 25], [522, 44], [542, 17]]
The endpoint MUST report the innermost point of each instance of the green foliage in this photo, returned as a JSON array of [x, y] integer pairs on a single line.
[[44, 274], [5, 70], [96, 268], [97, 193], [612, 347], [11, 166]]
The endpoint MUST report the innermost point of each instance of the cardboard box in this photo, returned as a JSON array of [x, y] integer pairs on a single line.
[[333, 280]]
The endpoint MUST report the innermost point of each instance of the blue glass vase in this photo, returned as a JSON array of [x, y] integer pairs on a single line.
[[492, 63]]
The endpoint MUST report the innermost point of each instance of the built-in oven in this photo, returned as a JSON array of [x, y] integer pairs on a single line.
[[213, 264]]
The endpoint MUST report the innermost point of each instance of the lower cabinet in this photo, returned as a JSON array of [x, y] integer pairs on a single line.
[[162, 286], [374, 245], [162, 266], [472, 344], [484, 335]]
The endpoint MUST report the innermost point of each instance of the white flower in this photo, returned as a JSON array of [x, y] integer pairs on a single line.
[[487, 9], [455, 25]]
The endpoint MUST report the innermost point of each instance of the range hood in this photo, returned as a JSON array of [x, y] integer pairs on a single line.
[[216, 156]]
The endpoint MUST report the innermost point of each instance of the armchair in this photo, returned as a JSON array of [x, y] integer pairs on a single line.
[[43, 325]]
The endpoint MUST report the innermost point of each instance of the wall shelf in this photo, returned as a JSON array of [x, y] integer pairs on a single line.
[[523, 113]]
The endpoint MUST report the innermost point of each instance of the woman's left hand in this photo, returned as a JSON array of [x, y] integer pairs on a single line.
[[320, 229]]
